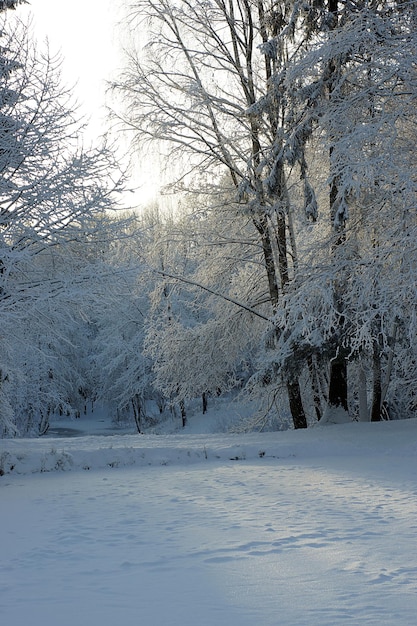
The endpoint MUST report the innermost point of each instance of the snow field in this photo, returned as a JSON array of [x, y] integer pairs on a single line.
[[306, 538]]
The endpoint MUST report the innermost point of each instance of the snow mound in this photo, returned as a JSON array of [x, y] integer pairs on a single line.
[[28, 456]]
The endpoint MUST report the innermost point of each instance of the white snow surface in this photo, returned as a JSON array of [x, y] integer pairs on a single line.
[[315, 527]]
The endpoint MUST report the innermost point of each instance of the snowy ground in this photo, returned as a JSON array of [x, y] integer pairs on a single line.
[[297, 528]]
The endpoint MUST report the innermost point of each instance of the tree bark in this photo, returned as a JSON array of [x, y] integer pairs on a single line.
[[293, 387], [377, 383], [296, 405], [338, 388], [261, 225], [183, 413], [314, 386], [363, 398], [338, 383], [137, 413]]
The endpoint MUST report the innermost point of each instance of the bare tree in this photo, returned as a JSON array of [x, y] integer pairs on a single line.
[[196, 87]]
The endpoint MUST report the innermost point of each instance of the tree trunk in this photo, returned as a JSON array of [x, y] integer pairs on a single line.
[[363, 396], [293, 388], [390, 363], [338, 383], [261, 225], [377, 383], [338, 388], [314, 386], [136, 405], [296, 405], [282, 250], [183, 413]]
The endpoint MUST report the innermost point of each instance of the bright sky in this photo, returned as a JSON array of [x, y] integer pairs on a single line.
[[87, 33]]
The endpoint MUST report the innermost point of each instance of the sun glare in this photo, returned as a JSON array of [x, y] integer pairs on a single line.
[[85, 35]]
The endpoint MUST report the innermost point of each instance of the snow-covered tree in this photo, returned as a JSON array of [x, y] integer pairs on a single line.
[[118, 312], [292, 104], [53, 193], [196, 87], [354, 89], [199, 335]]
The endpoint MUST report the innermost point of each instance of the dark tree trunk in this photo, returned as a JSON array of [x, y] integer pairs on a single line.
[[293, 388], [183, 413], [261, 224], [204, 398], [282, 250], [377, 383], [338, 383], [296, 405], [137, 413]]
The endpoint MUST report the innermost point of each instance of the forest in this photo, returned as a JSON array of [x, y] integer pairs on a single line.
[[284, 271]]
